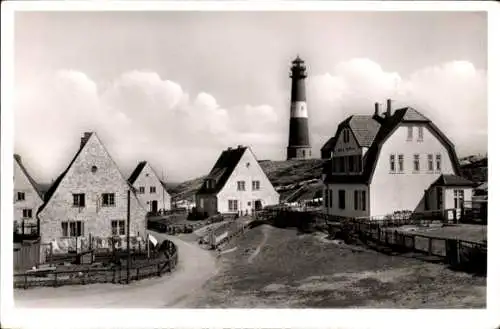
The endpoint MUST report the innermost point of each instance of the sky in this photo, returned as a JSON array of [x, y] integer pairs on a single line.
[[177, 88]]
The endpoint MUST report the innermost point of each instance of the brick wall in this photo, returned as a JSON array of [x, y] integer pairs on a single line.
[[96, 217]]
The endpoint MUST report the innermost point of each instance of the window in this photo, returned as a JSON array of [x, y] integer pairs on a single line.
[[255, 185], [458, 196], [420, 134], [410, 133], [392, 162], [401, 162], [360, 200], [152, 189], [108, 199], [27, 213], [351, 163], [117, 227], [21, 196], [233, 205], [430, 161], [346, 135], [326, 198], [79, 200], [142, 190], [416, 162], [241, 185], [331, 199], [438, 162], [94, 169], [72, 229], [334, 165], [341, 199]]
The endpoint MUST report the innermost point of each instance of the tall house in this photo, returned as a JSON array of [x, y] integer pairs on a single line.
[[27, 198], [382, 163], [298, 138], [150, 189], [236, 185], [90, 198]]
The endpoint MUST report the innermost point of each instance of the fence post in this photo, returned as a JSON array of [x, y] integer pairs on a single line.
[[25, 281], [158, 269], [55, 279]]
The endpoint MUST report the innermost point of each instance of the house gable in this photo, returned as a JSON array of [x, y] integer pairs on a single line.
[[144, 176], [23, 180], [92, 172]]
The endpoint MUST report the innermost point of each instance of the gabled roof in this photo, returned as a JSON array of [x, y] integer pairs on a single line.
[[388, 126], [452, 180], [137, 171], [55, 185], [363, 127], [222, 170], [28, 176]]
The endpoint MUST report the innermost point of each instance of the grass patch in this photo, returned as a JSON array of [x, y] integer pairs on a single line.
[[307, 271]]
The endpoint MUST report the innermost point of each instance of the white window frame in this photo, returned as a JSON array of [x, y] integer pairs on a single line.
[[392, 163], [27, 213], [255, 185], [416, 162], [438, 162], [420, 137], [401, 161], [118, 227], [110, 200], [430, 162], [409, 136], [240, 185]]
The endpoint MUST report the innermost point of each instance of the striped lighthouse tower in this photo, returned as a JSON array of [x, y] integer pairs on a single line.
[[298, 138]]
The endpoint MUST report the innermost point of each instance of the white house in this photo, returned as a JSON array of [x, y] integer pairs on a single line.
[[150, 189], [385, 163], [27, 197], [90, 198], [236, 184]]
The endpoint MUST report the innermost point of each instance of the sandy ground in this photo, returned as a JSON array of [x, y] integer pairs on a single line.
[[195, 267], [278, 268]]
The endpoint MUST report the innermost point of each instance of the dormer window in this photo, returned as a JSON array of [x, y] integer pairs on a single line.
[[210, 183]]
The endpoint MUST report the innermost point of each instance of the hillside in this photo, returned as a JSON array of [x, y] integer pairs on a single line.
[[284, 175], [299, 179]]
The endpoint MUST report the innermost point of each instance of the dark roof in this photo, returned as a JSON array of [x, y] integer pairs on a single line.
[[28, 176], [222, 170], [363, 127], [137, 171], [452, 180], [386, 129]]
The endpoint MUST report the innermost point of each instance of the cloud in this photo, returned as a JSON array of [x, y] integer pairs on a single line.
[[139, 116], [142, 116], [453, 95]]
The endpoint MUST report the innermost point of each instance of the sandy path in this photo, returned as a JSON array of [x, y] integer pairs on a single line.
[[265, 230], [195, 267]]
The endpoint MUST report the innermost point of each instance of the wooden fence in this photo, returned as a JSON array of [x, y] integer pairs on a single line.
[[27, 255], [89, 275], [459, 253]]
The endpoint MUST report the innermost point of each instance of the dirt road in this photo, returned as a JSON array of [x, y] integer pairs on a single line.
[[195, 267]]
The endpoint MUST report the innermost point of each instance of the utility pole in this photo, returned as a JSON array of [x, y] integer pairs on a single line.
[[128, 236]]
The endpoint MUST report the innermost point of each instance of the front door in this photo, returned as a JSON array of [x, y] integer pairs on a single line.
[[154, 206], [258, 205]]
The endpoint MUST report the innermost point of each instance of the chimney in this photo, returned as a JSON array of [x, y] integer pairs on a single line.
[[17, 157], [389, 108], [85, 138], [240, 146], [376, 109]]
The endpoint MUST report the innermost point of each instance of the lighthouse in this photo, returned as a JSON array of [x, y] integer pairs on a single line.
[[298, 138]]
